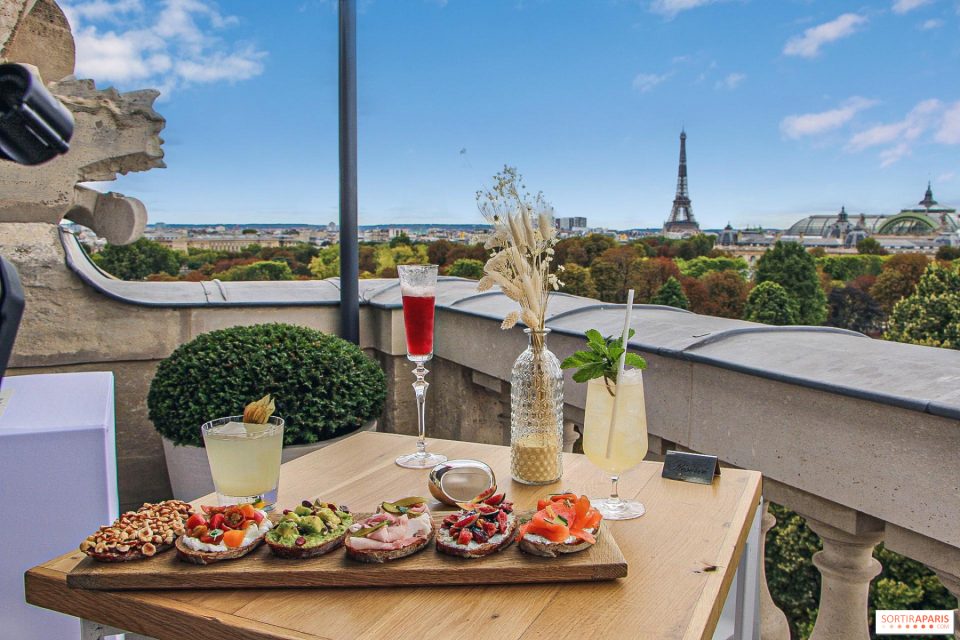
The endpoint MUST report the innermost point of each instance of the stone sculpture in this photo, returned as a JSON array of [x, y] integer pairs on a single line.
[[115, 133]]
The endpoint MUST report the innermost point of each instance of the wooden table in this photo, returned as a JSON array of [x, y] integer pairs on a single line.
[[672, 590]]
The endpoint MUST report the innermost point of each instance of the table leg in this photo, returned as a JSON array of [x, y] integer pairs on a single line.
[[747, 620], [90, 630]]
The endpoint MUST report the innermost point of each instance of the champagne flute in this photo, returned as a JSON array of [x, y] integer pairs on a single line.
[[418, 287], [626, 447]]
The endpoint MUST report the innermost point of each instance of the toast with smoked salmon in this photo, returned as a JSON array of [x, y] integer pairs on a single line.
[[562, 524]]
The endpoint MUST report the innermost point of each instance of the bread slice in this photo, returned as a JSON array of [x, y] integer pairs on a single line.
[[380, 556], [187, 554], [448, 544], [132, 554], [299, 553], [555, 549]]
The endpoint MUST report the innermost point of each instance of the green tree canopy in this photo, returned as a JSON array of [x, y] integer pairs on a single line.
[[930, 315], [400, 239], [138, 260], [702, 265], [327, 263], [466, 268], [577, 281], [671, 295], [855, 309], [650, 274], [898, 278], [262, 270], [613, 273], [595, 244], [726, 294], [791, 267], [870, 246], [948, 253], [770, 303], [848, 267]]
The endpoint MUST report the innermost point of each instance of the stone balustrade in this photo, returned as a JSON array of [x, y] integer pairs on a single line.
[[857, 435]]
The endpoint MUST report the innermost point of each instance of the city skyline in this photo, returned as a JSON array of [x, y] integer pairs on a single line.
[[791, 109]]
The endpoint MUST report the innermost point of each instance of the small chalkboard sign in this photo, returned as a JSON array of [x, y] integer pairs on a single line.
[[690, 467]]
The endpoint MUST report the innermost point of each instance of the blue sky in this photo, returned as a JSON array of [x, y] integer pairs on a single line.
[[791, 106]]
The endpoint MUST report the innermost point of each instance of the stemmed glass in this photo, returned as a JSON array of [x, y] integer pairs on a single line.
[[627, 446], [418, 287]]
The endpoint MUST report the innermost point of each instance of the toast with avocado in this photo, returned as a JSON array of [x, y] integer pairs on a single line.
[[310, 530]]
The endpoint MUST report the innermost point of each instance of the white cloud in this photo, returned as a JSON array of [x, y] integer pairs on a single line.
[[949, 131], [898, 137], [808, 45], [946, 176], [100, 10], [932, 23], [644, 82], [904, 6], [809, 124], [122, 42], [671, 8], [915, 123], [731, 81]]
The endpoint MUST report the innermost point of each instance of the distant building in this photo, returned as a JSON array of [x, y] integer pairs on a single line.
[[922, 229], [571, 224], [681, 222], [217, 242]]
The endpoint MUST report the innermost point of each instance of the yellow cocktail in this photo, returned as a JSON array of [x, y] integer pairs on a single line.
[[244, 459], [627, 446]]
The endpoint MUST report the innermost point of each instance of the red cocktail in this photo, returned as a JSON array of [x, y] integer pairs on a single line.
[[418, 321], [418, 288]]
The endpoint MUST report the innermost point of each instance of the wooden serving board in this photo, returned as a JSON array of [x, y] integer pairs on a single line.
[[260, 569]]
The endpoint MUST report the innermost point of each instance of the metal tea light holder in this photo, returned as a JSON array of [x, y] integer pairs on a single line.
[[456, 481]]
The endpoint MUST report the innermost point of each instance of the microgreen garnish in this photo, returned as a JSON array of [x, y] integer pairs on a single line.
[[601, 359]]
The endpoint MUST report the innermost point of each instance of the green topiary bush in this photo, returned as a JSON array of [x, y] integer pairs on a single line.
[[323, 386]]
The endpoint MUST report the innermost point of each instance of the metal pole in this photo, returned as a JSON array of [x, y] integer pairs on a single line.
[[349, 253]]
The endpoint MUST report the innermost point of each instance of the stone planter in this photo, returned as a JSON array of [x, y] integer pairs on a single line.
[[190, 474]]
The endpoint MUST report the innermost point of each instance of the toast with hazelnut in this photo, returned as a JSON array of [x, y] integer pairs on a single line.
[[140, 534]]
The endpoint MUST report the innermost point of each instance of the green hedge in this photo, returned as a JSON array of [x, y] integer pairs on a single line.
[[323, 386]]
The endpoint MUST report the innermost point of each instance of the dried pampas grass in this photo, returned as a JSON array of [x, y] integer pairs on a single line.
[[521, 247]]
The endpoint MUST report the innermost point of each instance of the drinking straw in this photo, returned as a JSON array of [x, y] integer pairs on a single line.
[[622, 363]]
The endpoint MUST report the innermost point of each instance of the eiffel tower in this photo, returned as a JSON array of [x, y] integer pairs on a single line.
[[681, 216]]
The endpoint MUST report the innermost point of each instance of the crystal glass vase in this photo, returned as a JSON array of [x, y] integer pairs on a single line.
[[536, 414]]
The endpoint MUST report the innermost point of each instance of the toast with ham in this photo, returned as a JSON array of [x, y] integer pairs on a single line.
[[562, 524], [480, 529], [397, 530]]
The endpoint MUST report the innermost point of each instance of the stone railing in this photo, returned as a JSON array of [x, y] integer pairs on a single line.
[[857, 435]]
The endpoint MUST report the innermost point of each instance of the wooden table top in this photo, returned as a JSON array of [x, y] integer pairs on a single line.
[[670, 591]]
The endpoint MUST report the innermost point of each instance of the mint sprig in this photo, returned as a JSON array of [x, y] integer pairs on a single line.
[[601, 359]]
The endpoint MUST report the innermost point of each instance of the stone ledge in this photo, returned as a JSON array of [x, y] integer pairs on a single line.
[[922, 379]]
